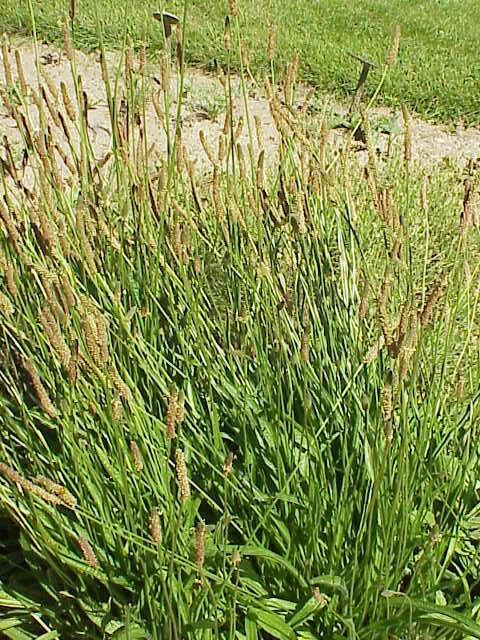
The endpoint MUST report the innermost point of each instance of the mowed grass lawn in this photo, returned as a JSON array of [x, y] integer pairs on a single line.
[[438, 74]]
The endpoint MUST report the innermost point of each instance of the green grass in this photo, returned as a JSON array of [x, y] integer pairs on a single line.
[[438, 74], [351, 509]]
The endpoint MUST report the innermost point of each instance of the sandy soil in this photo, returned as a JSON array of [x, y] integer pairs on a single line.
[[203, 110]]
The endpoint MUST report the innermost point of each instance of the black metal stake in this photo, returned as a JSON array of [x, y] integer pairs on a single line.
[[366, 66]]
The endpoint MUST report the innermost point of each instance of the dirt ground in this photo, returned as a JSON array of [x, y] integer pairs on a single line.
[[203, 109]]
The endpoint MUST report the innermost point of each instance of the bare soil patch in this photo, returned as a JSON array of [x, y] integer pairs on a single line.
[[203, 109]]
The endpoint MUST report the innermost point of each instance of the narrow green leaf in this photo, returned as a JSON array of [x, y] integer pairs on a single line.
[[133, 632], [272, 623], [9, 624], [16, 634], [439, 615], [368, 460], [251, 629], [50, 635], [305, 612], [203, 624], [266, 554]]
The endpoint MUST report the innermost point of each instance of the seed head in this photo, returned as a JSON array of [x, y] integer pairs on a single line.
[[199, 546], [6, 64], [57, 489], [258, 130], [154, 526], [10, 278], [180, 413], [393, 53], [55, 336], [206, 148], [128, 63], [103, 67], [120, 386], [304, 356], [10, 165], [238, 130], [227, 466], [182, 476], [241, 163], [73, 364], [143, 60], [271, 42], [179, 151], [233, 8], [227, 37], [116, 408], [318, 596], [11, 110], [221, 148], [87, 552], [261, 170], [177, 238], [9, 223], [102, 337], [409, 346], [73, 9], [226, 123], [21, 74], [31, 487], [67, 103], [299, 213], [178, 45], [295, 61], [86, 247], [67, 290], [40, 390], [430, 306], [243, 54], [68, 135], [171, 414], [136, 456], [90, 332], [287, 92], [396, 347], [374, 350], [67, 43], [407, 137]]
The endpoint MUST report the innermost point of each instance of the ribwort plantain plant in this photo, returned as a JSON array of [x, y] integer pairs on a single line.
[[246, 392]]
